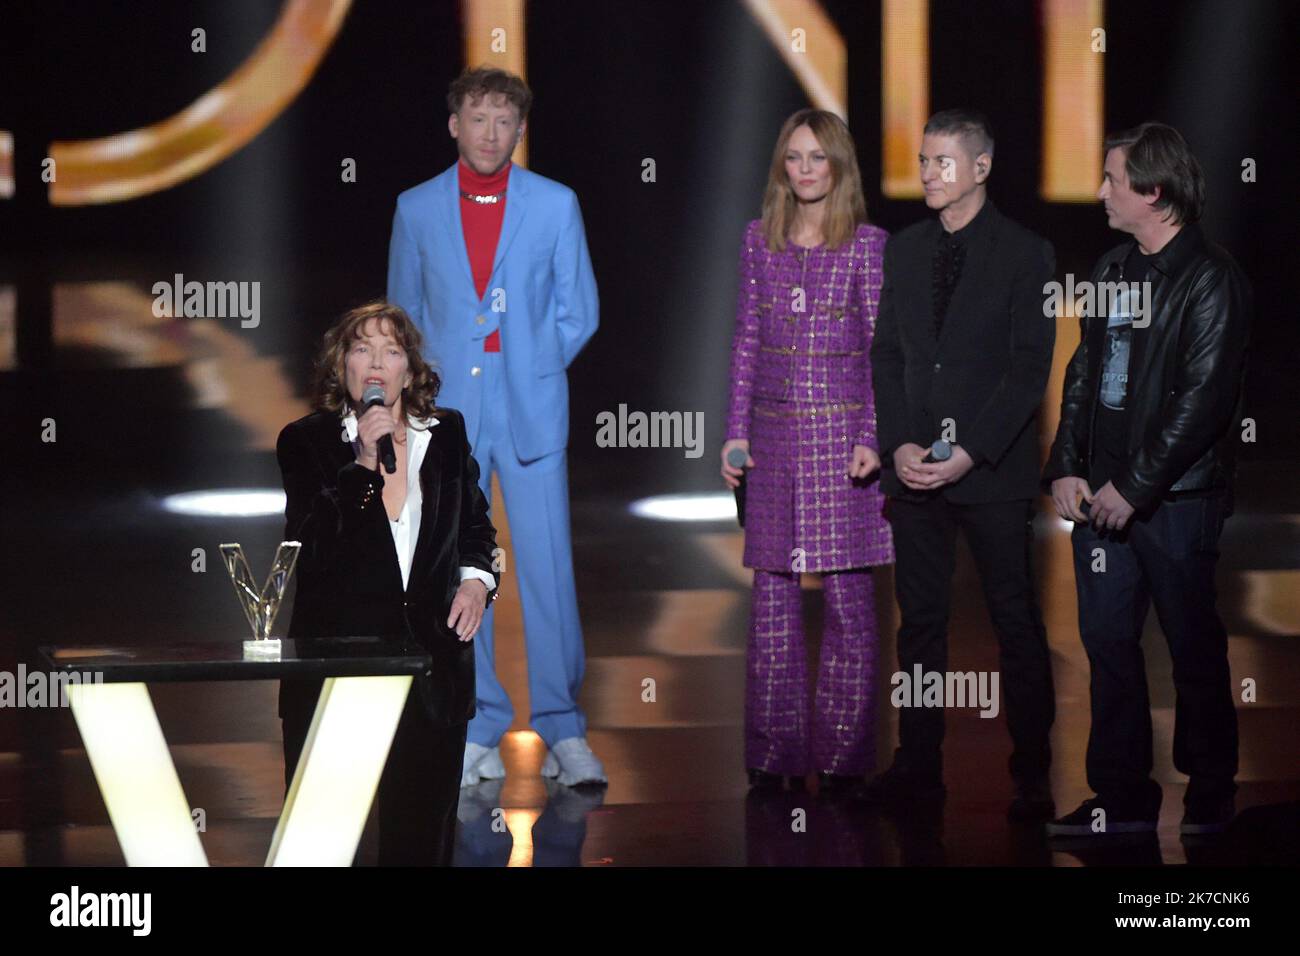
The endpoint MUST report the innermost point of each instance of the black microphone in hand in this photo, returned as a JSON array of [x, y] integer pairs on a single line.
[[941, 450], [374, 395], [736, 458]]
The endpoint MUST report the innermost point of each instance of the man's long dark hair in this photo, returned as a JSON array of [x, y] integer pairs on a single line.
[[1157, 155]]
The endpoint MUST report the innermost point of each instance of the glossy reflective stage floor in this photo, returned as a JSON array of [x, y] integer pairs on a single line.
[[100, 561], [677, 793]]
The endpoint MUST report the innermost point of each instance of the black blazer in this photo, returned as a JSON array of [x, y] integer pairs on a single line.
[[348, 578], [988, 368]]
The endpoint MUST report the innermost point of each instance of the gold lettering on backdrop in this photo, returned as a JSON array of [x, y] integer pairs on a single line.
[[142, 161], [220, 122]]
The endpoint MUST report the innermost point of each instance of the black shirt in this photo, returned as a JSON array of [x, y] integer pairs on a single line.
[[1122, 347], [946, 262]]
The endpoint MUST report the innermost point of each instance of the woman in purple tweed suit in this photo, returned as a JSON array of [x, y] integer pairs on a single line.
[[802, 409]]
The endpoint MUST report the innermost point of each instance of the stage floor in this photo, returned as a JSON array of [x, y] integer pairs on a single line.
[[661, 600]]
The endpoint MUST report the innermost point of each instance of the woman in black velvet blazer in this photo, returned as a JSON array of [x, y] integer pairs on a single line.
[[392, 555]]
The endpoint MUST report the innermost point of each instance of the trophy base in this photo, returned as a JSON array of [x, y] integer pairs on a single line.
[[267, 650]]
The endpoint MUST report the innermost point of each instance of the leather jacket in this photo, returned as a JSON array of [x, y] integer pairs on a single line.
[[1186, 395]]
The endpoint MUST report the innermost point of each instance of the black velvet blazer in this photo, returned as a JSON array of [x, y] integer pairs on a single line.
[[348, 579]]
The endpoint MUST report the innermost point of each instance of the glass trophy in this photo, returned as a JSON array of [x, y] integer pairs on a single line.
[[261, 606]]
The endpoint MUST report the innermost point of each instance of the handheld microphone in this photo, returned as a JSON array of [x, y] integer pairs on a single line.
[[736, 458], [374, 395], [941, 450]]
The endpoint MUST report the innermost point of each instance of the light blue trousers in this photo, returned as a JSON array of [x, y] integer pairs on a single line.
[[537, 502]]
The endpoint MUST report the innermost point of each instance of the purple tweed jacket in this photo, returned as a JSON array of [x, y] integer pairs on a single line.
[[817, 356], [801, 394]]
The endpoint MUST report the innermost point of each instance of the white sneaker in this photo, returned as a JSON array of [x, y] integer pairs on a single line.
[[491, 767], [573, 763], [474, 753]]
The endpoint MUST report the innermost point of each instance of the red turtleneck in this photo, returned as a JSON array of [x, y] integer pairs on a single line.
[[481, 223]]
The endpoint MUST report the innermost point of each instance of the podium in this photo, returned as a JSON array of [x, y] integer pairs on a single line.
[[366, 680]]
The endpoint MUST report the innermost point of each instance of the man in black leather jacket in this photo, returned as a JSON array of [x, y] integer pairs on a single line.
[[1142, 463]]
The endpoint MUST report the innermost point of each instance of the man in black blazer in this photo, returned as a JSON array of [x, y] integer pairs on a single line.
[[350, 574], [962, 352]]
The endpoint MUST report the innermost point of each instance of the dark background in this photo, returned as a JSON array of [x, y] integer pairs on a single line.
[[91, 557], [692, 84]]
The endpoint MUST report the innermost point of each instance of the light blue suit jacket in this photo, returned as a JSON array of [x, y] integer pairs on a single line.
[[542, 297]]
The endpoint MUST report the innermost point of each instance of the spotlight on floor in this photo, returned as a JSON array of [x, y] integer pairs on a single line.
[[242, 503], [715, 506]]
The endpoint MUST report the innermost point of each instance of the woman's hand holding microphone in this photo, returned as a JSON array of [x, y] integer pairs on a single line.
[[730, 473], [372, 425]]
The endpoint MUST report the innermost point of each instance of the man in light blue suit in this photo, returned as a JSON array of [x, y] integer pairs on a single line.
[[490, 261]]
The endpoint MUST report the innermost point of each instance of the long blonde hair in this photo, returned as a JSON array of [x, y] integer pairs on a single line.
[[846, 206]]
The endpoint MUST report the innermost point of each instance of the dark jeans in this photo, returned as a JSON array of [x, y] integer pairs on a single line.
[[1000, 537], [419, 788], [1167, 560]]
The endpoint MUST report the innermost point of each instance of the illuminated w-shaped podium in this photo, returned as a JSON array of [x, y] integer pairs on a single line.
[[366, 683]]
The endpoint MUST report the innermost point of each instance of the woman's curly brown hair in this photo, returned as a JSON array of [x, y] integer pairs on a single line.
[[329, 389]]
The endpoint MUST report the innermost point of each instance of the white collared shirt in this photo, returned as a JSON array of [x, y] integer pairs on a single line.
[[406, 528]]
